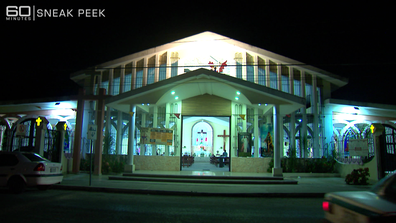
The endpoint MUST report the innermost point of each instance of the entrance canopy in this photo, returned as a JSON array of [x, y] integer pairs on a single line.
[[203, 81]]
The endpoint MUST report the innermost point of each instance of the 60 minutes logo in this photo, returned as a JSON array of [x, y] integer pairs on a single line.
[[28, 13], [19, 13]]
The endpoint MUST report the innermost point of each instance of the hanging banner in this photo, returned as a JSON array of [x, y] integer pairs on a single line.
[[156, 136]]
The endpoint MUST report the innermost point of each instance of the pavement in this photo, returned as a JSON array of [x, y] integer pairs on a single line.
[[211, 183]]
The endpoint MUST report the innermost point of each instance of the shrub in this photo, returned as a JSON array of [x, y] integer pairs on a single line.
[[358, 176]]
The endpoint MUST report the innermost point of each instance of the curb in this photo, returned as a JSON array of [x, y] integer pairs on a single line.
[[186, 193]]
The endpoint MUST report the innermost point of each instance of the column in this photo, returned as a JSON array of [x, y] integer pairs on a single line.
[[156, 68], [279, 76], [155, 122], [255, 69], [61, 128], [168, 64], [100, 111], [41, 127], [267, 73], [328, 126], [317, 151], [122, 78], [133, 75], [130, 166], [303, 123], [120, 125], [256, 134], [78, 132], [145, 65], [167, 111], [292, 124], [277, 170], [244, 67]]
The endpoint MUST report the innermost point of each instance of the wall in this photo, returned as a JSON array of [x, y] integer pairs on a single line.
[[345, 169], [249, 165], [157, 163]]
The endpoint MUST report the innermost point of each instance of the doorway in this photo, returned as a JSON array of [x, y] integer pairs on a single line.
[[203, 141]]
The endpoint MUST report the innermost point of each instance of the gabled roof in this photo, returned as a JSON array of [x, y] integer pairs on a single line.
[[203, 81], [210, 36]]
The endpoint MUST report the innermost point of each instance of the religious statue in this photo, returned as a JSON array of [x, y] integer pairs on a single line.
[[270, 146]]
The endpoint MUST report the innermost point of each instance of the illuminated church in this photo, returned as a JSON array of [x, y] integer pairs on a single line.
[[207, 94]]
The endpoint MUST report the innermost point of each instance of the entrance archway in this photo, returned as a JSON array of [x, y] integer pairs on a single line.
[[203, 139]]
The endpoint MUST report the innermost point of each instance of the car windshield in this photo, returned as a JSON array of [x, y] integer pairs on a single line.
[[34, 157]]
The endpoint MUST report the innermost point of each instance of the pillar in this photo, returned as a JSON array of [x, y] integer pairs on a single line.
[[292, 124], [41, 127], [78, 132], [303, 123], [155, 122], [256, 134], [130, 166], [277, 170], [317, 151], [167, 112], [61, 128], [100, 111]]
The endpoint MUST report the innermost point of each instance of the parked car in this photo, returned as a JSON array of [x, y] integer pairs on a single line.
[[376, 205], [19, 170]]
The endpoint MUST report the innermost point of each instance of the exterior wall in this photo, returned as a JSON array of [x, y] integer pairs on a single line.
[[345, 169], [157, 163], [249, 165]]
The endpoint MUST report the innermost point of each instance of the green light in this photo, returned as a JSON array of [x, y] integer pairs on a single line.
[[238, 93], [236, 98], [172, 92], [177, 97]]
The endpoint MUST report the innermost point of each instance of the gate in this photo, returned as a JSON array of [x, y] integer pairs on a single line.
[[52, 145], [388, 153]]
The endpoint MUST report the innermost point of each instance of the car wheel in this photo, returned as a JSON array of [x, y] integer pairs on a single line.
[[43, 187], [17, 185]]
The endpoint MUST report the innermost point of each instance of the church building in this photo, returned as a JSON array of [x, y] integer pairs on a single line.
[[201, 95], [206, 97]]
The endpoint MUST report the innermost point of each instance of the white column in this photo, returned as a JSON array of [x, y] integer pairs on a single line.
[[292, 124], [122, 78], [155, 122], [279, 76], [303, 129], [168, 64], [133, 75], [256, 133], [255, 69], [267, 72], [167, 111], [277, 170], [119, 133], [317, 151], [244, 64], [156, 68], [145, 65], [130, 166]]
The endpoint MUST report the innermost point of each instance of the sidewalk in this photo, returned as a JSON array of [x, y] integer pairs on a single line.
[[307, 185]]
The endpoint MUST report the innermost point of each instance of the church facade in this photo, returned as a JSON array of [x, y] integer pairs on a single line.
[[212, 93], [203, 96]]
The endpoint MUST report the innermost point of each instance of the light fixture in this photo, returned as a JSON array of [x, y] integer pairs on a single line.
[[266, 104], [176, 97], [172, 92], [356, 108], [57, 103], [238, 93], [259, 104], [236, 98]]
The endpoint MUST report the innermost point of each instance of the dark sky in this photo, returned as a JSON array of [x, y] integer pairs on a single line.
[[353, 41]]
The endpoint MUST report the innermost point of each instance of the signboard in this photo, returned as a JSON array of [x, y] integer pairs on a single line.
[[21, 130], [156, 136], [92, 132], [358, 147]]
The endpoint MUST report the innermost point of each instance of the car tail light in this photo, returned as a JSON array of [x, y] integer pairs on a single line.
[[40, 167], [326, 206]]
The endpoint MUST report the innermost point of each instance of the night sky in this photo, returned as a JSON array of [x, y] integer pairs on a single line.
[[352, 41]]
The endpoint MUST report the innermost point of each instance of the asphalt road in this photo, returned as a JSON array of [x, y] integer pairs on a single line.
[[77, 206]]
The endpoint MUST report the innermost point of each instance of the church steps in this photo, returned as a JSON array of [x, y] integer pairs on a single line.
[[203, 179]]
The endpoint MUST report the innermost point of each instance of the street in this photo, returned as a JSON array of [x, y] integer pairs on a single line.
[[77, 206]]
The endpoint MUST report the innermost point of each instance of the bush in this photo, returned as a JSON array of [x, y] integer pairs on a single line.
[[358, 176]]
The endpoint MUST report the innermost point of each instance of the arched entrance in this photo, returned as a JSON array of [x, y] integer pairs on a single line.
[[203, 141]]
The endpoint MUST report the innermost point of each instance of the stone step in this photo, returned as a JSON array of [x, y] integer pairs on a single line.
[[203, 179]]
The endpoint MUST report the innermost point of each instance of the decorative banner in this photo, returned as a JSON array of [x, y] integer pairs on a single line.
[[242, 117], [156, 136], [131, 113], [177, 115]]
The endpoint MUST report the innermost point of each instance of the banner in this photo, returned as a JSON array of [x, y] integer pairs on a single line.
[[156, 136]]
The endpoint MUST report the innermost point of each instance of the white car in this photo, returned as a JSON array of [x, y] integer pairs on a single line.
[[19, 170], [376, 205]]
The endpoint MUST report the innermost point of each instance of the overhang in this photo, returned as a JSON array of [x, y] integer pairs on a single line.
[[203, 81]]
